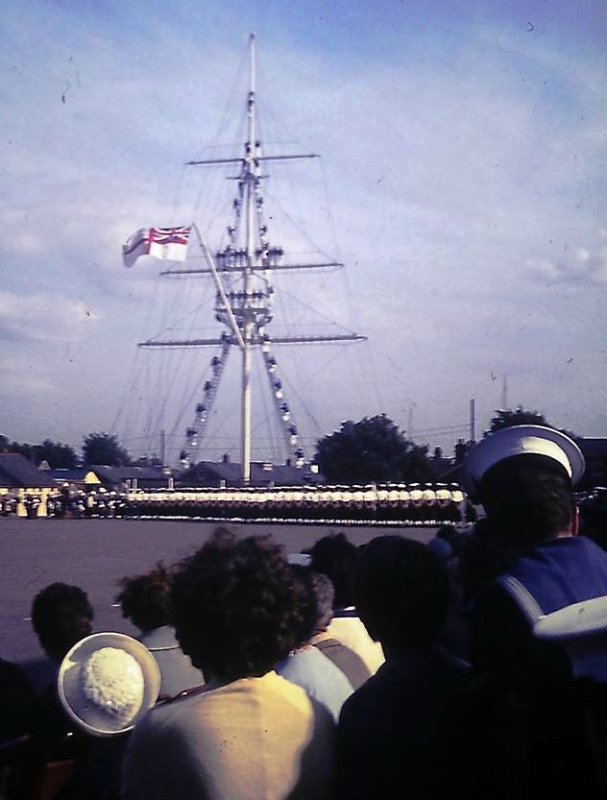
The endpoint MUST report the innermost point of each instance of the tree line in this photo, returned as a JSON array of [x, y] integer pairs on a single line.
[[372, 450], [97, 448]]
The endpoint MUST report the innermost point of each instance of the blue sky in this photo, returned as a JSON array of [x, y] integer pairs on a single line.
[[462, 182]]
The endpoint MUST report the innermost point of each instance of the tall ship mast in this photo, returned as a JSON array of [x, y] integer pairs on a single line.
[[242, 271]]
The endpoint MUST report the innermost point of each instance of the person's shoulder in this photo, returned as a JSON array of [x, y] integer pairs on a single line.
[[492, 600], [292, 700], [451, 662], [331, 672], [307, 667], [170, 709], [166, 725], [315, 656], [573, 547], [368, 695], [592, 548], [14, 678], [568, 558]]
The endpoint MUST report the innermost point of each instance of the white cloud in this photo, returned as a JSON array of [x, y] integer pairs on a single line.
[[579, 266], [43, 317], [20, 379]]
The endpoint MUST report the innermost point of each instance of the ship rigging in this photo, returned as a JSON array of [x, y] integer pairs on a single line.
[[242, 271]]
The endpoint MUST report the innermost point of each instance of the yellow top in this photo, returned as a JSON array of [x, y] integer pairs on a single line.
[[252, 739]]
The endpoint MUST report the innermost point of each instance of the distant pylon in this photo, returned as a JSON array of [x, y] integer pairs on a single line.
[[472, 435]]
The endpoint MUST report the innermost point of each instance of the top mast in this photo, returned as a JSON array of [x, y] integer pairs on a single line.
[[250, 185]]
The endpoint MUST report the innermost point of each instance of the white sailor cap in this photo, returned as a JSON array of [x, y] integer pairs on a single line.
[[521, 440], [429, 496], [299, 559], [417, 496]]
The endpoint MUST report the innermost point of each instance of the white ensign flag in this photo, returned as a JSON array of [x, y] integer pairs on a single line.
[[167, 244]]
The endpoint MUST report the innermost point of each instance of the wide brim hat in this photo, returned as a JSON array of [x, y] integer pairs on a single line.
[[90, 716], [521, 440]]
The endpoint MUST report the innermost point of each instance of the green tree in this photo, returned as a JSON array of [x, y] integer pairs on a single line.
[[59, 456], [104, 448], [26, 450], [371, 450], [506, 418]]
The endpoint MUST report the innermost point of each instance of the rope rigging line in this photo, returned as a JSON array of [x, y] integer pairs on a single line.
[[268, 420], [186, 405], [195, 435], [169, 366], [294, 194], [175, 364], [232, 100], [127, 390], [308, 307], [293, 391], [316, 247]]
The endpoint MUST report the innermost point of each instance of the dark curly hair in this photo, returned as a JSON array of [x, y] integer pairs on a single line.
[[61, 616], [324, 593], [237, 607], [309, 604], [146, 599]]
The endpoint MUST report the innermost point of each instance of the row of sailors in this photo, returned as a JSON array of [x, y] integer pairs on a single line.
[[412, 503], [264, 257], [416, 496], [55, 504], [77, 504]]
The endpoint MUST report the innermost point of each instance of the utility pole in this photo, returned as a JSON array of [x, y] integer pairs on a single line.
[[410, 421], [472, 433]]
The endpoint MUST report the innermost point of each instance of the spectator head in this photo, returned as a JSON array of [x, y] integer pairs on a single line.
[[316, 604], [61, 616], [237, 606], [306, 625], [402, 592], [146, 599], [447, 533], [324, 594], [524, 477], [335, 557], [444, 542]]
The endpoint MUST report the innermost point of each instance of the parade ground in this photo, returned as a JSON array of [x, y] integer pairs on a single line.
[[95, 553]]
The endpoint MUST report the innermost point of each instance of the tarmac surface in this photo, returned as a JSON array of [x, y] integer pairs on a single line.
[[95, 553]]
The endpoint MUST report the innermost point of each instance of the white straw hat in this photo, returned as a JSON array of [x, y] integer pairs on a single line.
[[521, 440], [107, 682]]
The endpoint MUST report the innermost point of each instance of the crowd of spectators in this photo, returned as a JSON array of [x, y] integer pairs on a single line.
[[393, 669]]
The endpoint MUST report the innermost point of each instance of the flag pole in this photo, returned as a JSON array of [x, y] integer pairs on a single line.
[[221, 291], [250, 174]]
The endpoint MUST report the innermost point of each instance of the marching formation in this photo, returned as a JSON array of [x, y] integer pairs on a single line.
[[415, 504], [368, 504]]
